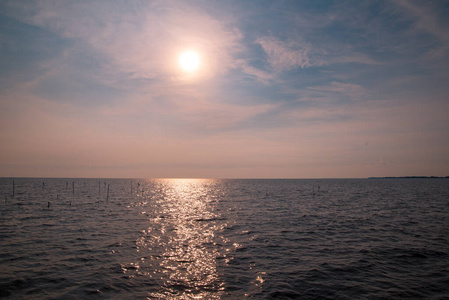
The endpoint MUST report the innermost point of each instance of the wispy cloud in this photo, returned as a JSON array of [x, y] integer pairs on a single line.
[[142, 39], [261, 75], [348, 89], [285, 55], [427, 20]]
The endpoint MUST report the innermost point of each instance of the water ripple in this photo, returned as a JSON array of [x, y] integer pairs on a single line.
[[224, 239]]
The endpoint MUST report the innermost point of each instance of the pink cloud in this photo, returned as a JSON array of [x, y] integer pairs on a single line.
[[143, 41]]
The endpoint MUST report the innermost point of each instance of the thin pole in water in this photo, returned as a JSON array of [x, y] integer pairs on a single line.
[[107, 195], [48, 204]]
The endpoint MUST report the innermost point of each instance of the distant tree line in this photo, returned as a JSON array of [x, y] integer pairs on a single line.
[[407, 177]]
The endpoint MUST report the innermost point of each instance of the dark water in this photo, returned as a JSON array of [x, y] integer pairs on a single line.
[[224, 239]]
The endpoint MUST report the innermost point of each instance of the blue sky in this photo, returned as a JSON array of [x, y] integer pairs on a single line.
[[285, 89]]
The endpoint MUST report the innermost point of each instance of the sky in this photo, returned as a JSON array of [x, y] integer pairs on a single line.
[[283, 89]]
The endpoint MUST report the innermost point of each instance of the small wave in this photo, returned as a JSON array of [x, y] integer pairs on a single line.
[[285, 294], [209, 219]]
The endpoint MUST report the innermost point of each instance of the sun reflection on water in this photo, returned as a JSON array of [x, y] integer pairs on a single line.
[[184, 240]]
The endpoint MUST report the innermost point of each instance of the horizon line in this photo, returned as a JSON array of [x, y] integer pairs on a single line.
[[229, 178]]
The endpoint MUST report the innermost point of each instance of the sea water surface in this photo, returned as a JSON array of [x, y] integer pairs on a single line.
[[224, 239]]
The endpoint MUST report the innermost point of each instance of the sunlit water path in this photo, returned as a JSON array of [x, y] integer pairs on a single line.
[[224, 239]]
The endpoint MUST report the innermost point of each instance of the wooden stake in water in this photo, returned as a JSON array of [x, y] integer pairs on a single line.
[[107, 195], [48, 204]]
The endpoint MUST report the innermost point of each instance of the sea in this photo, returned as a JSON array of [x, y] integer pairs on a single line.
[[224, 238]]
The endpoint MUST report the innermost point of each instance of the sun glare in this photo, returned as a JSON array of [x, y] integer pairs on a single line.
[[189, 61]]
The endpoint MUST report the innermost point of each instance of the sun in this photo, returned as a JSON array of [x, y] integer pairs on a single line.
[[189, 61]]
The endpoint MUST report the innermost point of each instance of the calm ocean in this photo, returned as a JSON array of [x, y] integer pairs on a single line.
[[224, 239]]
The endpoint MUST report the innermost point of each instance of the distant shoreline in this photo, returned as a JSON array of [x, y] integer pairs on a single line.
[[408, 177]]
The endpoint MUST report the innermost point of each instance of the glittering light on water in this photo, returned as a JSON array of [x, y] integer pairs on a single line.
[[183, 238]]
